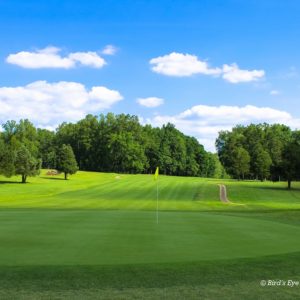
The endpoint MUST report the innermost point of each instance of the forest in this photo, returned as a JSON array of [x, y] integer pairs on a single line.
[[105, 143], [119, 143]]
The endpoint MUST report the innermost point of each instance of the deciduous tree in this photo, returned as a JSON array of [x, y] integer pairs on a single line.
[[26, 164]]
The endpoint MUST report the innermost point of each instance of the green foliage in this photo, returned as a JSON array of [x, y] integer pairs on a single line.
[[194, 153], [25, 164], [126, 153], [172, 150], [119, 143], [19, 150], [47, 148], [218, 170], [290, 163], [261, 162], [7, 157], [241, 162], [260, 151], [66, 161]]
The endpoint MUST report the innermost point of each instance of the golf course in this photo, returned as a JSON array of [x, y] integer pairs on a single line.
[[97, 236]]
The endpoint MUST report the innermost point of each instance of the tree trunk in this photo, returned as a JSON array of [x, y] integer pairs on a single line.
[[24, 178], [66, 175], [289, 184]]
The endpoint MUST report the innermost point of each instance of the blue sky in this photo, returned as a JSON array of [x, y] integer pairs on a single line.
[[203, 65]]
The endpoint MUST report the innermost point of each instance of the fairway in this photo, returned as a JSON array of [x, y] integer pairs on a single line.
[[96, 221], [88, 190]]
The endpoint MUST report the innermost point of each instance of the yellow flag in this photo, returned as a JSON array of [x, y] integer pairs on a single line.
[[156, 173]]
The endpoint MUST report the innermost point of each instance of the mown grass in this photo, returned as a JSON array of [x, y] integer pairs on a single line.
[[95, 237], [138, 192], [226, 279], [55, 237]]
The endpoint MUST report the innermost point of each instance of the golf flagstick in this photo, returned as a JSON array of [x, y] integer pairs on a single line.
[[156, 179], [156, 201]]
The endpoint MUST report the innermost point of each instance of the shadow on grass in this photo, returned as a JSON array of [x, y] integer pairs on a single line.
[[52, 178], [274, 188], [9, 182], [281, 188]]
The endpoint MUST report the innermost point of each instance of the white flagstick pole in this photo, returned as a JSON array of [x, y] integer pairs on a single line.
[[156, 201]]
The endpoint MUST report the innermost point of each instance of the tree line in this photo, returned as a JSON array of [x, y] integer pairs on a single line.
[[119, 143], [261, 152], [105, 143]]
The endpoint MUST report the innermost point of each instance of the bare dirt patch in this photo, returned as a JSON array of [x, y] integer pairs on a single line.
[[223, 194]]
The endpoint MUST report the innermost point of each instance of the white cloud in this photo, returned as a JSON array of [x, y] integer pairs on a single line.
[[109, 50], [90, 59], [234, 74], [183, 65], [178, 64], [44, 58], [150, 101], [204, 122], [274, 92], [50, 57], [48, 104]]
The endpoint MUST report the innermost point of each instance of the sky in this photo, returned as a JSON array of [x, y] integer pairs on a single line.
[[204, 66]]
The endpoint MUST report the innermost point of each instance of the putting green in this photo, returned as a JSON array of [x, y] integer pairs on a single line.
[[87, 237]]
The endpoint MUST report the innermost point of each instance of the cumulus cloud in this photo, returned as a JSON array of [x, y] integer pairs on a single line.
[[109, 50], [183, 65], [204, 122], [178, 64], [150, 101], [50, 57], [47, 104], [234, 74], [89, 59]]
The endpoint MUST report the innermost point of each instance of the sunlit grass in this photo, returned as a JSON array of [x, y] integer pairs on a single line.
[[95, 236]]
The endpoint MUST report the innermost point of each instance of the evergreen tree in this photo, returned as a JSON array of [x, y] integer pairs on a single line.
[[66, 161]]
